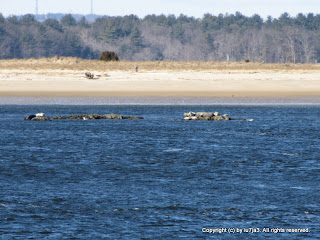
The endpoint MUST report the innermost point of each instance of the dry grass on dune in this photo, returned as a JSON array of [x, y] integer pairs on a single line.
[[77, 64]]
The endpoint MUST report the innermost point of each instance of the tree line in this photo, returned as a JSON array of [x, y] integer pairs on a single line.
[[225, 37]]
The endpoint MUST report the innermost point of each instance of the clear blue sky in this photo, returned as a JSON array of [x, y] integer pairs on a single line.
[[141, 8]]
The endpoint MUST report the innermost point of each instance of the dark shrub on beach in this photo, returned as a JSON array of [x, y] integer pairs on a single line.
[[109, 56]]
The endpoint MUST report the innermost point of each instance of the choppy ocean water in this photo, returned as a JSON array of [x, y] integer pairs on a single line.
[[160, 177]]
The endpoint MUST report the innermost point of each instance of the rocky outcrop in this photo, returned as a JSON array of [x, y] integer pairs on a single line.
[[206, 116], [41, 119], [209, 116], [82, 117], [96, 116]]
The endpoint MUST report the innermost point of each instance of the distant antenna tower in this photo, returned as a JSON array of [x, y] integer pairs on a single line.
[[91, 7], [36, 7]]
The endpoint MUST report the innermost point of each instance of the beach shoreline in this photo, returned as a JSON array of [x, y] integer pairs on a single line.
[[56, 77], [163, 94]]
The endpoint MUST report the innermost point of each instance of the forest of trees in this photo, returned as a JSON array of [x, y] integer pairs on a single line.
[[229, 37]]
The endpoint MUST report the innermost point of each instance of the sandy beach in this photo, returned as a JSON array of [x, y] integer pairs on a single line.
[[65, 77]]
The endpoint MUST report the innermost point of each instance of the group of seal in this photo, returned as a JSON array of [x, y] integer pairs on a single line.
[[209, 116]]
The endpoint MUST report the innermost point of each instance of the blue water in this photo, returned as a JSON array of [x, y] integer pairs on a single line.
[[159, 178]]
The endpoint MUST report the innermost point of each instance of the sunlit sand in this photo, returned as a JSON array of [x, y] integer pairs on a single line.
[[65, 77]]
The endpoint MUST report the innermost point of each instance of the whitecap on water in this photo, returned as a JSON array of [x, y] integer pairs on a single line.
[[289, 154], [173, 150]]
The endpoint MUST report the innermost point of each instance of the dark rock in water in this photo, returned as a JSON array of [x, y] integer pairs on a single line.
[[221, 118], [96, 116], [41, 119], [82, 117], [132, 117], [61, 117], [30, 117], [207, 116], [112, 116]]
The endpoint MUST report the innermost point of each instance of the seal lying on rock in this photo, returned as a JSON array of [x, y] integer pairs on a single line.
[[209, 116], [190, 114], [30, 117], [39, 114], [35, 118]]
